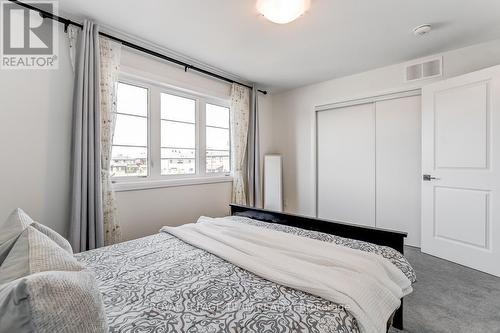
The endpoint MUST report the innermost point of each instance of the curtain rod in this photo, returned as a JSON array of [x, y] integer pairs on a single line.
[[67, 22]]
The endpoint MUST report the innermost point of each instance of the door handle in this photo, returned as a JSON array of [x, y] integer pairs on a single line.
[[428, 178]]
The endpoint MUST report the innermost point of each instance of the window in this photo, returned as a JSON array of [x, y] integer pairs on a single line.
[[178, 135], [129, 155], [217, 141], [164, 134]]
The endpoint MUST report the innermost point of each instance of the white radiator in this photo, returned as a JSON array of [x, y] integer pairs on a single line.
[[273, 187]]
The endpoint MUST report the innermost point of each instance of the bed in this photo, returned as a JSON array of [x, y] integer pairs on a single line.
[[160, 283]]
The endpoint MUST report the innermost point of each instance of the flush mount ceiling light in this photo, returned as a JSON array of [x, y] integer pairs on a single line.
[[282, 11]]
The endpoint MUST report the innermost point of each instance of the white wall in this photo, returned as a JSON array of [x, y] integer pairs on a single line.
[[35, 145], [35, 141], [293, 129], [145, 212], [136, 63]]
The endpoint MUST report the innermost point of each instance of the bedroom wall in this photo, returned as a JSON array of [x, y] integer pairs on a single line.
[[35, 141], [35, 144], [294, 112]]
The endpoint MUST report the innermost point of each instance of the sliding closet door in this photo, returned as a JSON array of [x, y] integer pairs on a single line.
[[369, 164], [346, 164], [398, 160]]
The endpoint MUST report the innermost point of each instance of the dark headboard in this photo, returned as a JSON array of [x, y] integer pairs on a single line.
[[393, 239]]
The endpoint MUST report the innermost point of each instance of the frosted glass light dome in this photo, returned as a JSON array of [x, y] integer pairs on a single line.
[[282, 11]]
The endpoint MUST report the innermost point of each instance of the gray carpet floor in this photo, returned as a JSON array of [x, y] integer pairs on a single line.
[[450, 298]]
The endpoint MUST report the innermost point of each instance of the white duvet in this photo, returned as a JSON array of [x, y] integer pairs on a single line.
[[367, 285]]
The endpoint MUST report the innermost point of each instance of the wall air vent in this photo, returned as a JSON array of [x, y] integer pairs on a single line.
[[424, 70]]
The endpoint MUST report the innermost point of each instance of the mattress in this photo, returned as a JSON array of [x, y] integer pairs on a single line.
[[161, 284]]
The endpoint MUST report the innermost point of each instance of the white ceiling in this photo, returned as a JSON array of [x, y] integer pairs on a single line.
[[335, 38]]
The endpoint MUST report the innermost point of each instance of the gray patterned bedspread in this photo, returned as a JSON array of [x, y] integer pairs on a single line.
[[161, 284]]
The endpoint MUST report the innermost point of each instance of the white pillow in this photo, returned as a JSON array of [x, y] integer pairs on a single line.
[[43, 288], [52, 302], [10, 230], [17, 221], [57, 238], [34, 252]]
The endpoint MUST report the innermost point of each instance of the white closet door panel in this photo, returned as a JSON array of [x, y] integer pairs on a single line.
[[346, 164], [398, 166]]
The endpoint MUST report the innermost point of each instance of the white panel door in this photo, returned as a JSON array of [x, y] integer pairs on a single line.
[[398, 166], [346, 164], [461, 149]]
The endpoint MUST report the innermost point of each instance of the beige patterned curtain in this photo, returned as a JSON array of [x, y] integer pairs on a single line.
[[240, 114], [110, 64]]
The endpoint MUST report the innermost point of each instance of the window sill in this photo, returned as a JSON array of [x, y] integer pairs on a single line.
[[137, 185]]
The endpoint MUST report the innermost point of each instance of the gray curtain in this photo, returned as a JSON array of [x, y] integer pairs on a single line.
[[253, 158], [86, 224]]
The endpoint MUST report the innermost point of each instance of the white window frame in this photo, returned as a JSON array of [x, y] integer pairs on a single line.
[[155, 179], [197, 128], [224, 105], [148, 143]]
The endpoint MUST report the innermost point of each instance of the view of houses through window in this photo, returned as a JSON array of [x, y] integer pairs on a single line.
[[181, 135], [130, 139], [178, 135], [217, 131]]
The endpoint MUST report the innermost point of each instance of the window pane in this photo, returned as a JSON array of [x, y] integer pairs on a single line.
[[132, 100], [129, 161], [217, 138], [173, 166], [218, 161], [177, 108], [177, 135], [217, 116], [130, 131]]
